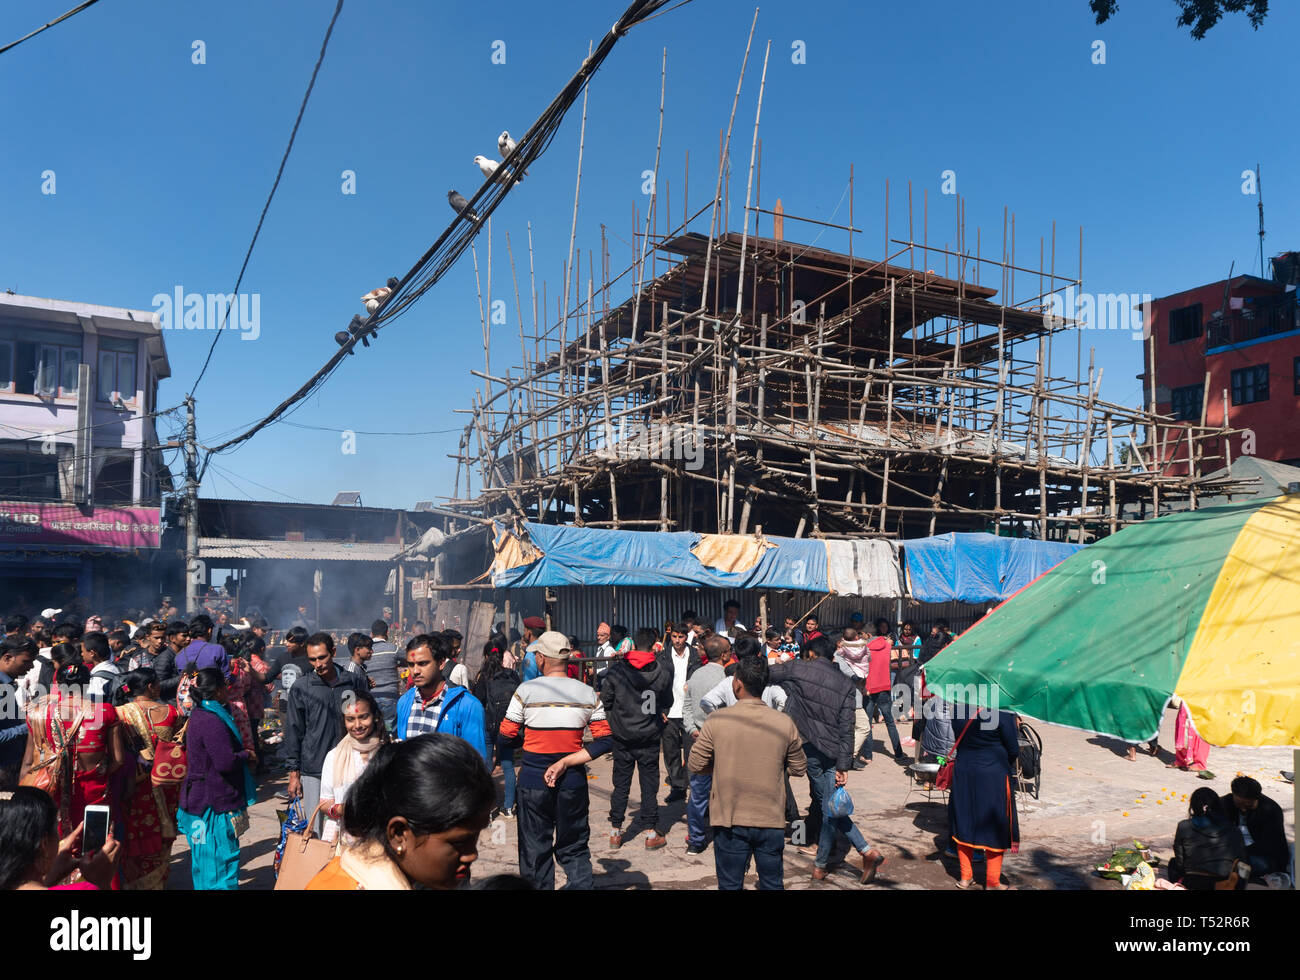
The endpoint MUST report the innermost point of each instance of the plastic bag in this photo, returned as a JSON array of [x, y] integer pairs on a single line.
[[840, 803], [292, 821], [1143, 879]]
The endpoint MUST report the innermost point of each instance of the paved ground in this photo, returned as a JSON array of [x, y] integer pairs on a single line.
[[1092, 798]]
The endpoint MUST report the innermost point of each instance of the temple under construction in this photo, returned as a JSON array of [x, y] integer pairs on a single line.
[[763, 383]]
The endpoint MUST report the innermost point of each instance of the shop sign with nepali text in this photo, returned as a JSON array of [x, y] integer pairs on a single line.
[[24, 523]]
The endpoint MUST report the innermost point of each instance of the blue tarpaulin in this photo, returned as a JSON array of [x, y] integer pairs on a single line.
[[978, 567], [592, 556]]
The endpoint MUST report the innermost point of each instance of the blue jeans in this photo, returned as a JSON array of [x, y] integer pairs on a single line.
[[507, 759], [697, 809], [884, 702], [732, 849], [821, 776]]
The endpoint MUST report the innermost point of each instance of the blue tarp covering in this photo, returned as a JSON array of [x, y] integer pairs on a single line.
[[978, 567], [592, 556]]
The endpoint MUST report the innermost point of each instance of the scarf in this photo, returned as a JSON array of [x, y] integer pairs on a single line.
[[346, 766], [372, 869], [218, 709]]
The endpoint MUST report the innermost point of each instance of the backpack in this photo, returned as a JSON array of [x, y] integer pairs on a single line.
[[497, 694]]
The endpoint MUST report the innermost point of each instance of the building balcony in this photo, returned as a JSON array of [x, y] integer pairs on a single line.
[[1257, 322]]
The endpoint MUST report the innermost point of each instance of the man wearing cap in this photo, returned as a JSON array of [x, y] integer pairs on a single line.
[[534, 626], [546, 717]]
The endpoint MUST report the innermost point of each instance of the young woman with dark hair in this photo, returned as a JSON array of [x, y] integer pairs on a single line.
[[218, 786], [74, 744], [363, 733], [495, 687], [1206, 845], [32, 855], [150, 809], [416, 813]]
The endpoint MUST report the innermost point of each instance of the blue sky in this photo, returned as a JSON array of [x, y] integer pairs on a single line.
[[162, 167]]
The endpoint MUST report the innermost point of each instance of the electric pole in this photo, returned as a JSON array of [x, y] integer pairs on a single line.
[[192, 567]]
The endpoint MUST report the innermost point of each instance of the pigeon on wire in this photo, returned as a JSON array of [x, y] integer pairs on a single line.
[[356, 328], [507, 146], [461, 206], [375, 298], [489, 167]]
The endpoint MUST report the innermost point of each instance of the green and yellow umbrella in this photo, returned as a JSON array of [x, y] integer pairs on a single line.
[[1203, 604]]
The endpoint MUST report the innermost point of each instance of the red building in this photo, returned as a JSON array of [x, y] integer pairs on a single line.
[[1234, 346]]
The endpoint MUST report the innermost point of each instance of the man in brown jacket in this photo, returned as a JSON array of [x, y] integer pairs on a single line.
[[748, 748]]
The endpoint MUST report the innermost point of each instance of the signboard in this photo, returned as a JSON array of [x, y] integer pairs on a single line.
[[23, 524], [418, 589]]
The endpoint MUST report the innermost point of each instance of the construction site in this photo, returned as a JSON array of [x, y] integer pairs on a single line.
[[763, 383]]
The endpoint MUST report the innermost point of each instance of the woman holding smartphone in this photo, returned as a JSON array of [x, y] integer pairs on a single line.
[[218, 786], [74, 745]]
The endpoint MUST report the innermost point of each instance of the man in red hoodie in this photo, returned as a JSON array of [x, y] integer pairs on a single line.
[[637, 693], [878, 694]]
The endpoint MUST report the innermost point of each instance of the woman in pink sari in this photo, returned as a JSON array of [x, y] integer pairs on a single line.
[[1190, 750]]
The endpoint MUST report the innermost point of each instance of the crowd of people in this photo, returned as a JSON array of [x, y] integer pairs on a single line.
[[391, 753]]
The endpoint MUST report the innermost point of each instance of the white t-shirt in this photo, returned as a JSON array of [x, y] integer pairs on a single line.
[[679, 681], [720, 626]]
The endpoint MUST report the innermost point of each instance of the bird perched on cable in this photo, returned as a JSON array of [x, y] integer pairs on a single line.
[[375, 298], [507, 146], [489, 167], [461, 206]]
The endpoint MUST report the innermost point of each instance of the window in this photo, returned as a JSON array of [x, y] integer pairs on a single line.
[[1185, 323], [116, 369], [68, 375], [1250, 385], [34, 368], [1187, 402]]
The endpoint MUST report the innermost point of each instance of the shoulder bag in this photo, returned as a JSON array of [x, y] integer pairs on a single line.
[[943, 778]]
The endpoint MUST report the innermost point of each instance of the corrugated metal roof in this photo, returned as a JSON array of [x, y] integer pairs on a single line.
[[297, 550]]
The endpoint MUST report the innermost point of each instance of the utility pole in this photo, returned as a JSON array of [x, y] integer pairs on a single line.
[[1259, 188], [192, 568]]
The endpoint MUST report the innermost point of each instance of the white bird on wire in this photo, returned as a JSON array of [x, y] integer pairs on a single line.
[[375, 298], [507, 146], [489, 167]]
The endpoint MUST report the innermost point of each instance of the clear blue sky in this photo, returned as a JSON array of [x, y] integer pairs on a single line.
[[162, 167]]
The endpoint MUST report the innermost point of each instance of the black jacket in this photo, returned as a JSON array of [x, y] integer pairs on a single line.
[[665, 659], [932, 645], [634, 716], [313, 720], [1265, 826], [821, 704], [1206, 851], [495, 695]]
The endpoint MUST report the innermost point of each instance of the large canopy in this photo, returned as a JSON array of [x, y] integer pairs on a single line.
[[978, 567], [970, 567], [1205, 605]]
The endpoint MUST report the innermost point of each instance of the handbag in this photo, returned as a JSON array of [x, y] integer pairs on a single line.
[[170, 761], [303, 856], [943, 778]]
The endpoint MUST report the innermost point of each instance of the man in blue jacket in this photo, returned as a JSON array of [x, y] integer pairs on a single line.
[[430, 705]]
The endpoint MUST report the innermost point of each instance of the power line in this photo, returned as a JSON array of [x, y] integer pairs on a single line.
[[453, 242], [364, 432], [266, 207], [228, 474], [74, 10]]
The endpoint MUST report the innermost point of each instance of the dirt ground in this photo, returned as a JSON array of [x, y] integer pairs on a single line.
[[1092, 798]]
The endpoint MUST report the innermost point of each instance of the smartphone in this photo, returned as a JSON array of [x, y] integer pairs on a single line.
[[95, 832]]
